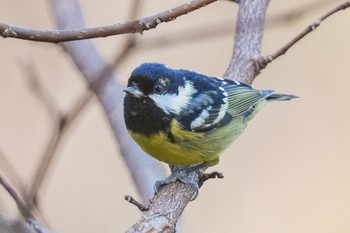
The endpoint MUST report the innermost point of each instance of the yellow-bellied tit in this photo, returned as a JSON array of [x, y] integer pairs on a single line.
[[182, 117]]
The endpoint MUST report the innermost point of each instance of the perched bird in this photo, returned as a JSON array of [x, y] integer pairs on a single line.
[[182, 117]]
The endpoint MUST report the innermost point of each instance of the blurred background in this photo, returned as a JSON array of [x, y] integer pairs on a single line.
[[289, 172]]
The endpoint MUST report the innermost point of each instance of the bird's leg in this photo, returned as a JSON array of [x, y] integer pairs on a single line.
[[181, 174]]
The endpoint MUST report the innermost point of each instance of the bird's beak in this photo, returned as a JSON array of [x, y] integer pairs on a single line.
[[134, 91]]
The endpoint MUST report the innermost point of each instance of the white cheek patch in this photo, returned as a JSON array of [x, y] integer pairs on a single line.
[[174, 103], [164, 102]]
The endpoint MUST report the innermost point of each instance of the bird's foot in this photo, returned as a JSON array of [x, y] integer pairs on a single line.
[[182, 174]]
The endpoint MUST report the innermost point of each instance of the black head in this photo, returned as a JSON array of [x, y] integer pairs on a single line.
[[146, 83], [153, 78]]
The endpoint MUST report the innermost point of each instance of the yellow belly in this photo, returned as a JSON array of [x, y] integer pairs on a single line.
[[190, 147]]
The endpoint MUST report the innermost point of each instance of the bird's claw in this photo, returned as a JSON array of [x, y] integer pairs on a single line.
[[182, 176]]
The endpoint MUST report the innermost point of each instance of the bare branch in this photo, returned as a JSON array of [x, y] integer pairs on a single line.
[[57, 119], [166, 208], [281, 18], [60, 125], [215, 29], [139, 26], [135, 8], [22, 208], [264, 61], [11, 172], [248, 38], [130, 41], [8, 225], [31, 78]]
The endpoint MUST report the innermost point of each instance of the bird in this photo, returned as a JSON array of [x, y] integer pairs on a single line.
[[182, 117]]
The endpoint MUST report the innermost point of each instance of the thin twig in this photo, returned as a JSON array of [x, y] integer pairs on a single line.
[[280, 18], [31, 78], [130, 40], [60, 125], [135, 9], [57, 119], [264, 61], [132, 200], [11, 172], [134, 26], [30, 219]]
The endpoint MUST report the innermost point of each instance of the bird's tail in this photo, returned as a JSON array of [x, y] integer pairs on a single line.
[[281, 97]]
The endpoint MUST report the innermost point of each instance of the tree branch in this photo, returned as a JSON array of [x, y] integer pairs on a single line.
[[33, 223], [80, 33], [166, 207], [264, 61], [11, 172], [247, 43], [59, 123], [8, 225]]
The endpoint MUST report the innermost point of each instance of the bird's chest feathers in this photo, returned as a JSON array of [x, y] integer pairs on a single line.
[[159, 146], [155, 145]]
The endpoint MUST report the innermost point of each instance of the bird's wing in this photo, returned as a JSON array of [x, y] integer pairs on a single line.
[[216, 107], [204, 111], [242, 98]]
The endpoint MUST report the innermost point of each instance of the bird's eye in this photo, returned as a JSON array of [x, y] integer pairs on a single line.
[[158, 89], [135, 83]]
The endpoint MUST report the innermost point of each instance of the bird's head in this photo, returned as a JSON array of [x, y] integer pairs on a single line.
[[169, 89]]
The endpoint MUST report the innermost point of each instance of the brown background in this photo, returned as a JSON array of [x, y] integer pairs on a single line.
[[289, 172]]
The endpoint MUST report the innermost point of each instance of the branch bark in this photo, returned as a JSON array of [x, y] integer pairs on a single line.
[[166, 208], [247, 43]]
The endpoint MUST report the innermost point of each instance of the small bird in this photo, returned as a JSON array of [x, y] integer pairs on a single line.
[[182, 117]]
